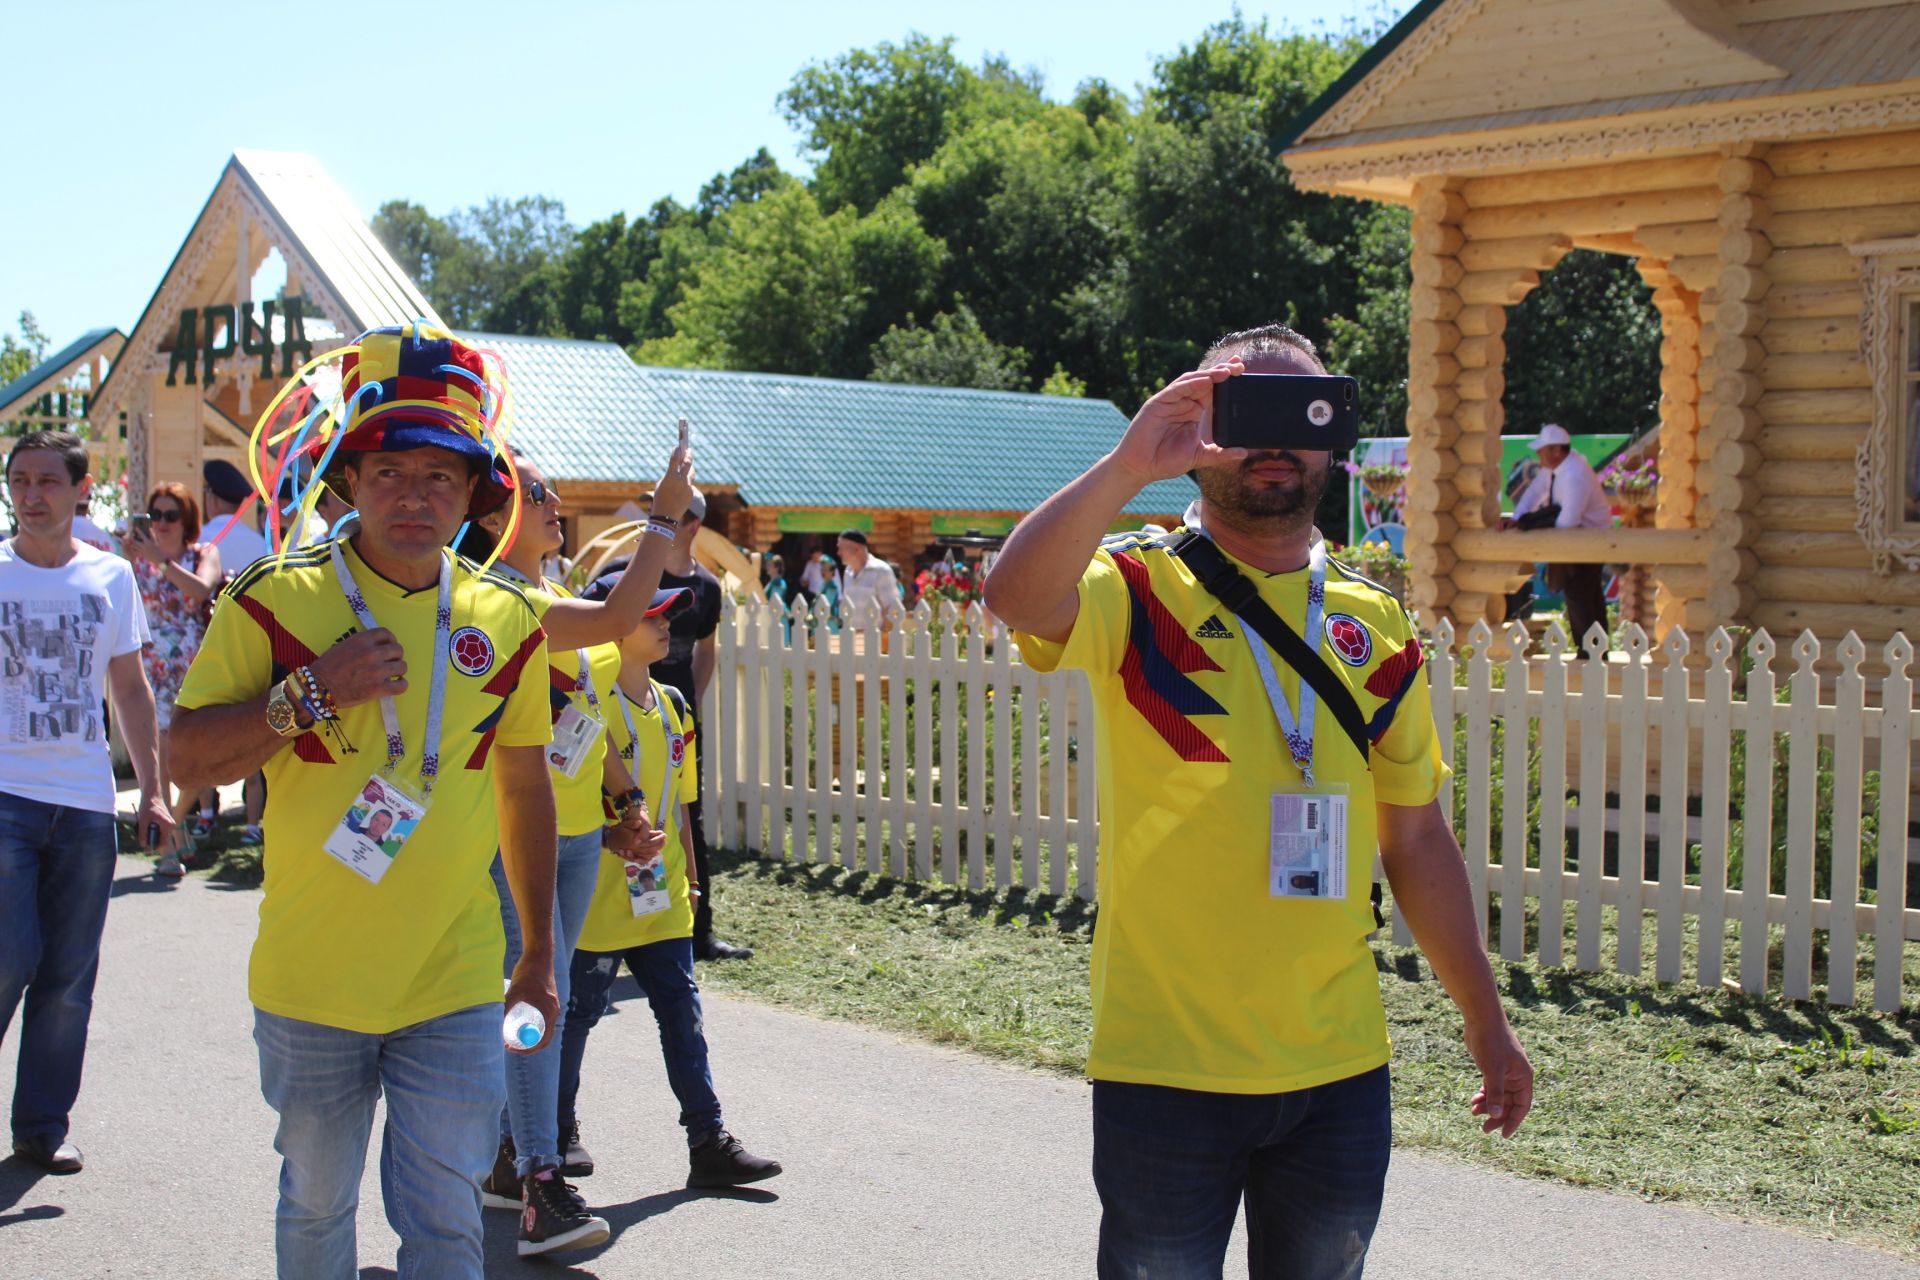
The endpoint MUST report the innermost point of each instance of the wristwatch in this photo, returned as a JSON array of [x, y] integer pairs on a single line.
[[282, 718]]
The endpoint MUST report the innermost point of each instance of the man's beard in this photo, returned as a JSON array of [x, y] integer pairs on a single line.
[[1229, 492]]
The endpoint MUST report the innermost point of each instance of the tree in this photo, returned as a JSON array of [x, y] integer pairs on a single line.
[[1371, 344], [18, 356], [478, 267], [952, 352], [1583, 350]]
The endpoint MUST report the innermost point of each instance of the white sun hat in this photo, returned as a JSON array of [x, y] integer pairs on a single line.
[[1552, 433]]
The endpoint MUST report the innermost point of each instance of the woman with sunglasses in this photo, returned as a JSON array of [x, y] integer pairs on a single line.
[[178, 576]]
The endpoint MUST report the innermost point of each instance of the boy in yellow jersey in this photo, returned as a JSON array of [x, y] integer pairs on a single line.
[[1239, 1045], [643, 907]]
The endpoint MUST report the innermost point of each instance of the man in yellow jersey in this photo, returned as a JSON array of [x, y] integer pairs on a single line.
[[643, 909], [1239, 1044], [381, 669], [526, 1175]]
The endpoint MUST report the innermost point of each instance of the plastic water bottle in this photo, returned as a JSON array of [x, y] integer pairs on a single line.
[[524, 1026]]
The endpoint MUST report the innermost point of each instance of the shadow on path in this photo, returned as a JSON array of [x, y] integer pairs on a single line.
[[17, 1177]]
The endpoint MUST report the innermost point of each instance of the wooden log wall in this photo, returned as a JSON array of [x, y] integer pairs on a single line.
[[1679, 309]]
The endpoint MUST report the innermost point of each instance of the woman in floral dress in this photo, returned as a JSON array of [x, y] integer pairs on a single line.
[[178, 576]]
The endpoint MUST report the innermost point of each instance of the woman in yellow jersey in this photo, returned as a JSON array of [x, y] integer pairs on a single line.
[[642, 911], [526, 1174]]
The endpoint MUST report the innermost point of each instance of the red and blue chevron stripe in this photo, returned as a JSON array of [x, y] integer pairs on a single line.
[[1156, 669]]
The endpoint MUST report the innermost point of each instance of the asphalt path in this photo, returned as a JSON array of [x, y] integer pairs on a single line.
[[903, 1159]]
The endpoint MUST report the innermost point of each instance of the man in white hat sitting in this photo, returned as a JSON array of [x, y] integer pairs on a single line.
[[1566, 487]]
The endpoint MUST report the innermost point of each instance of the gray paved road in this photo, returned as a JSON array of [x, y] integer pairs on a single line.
[[904, 1160]]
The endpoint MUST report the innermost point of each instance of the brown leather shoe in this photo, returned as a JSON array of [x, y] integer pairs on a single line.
[[53, 1156]]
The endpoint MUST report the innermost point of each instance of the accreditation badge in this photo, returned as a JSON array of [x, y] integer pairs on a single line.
[[1307, 847], [376, 827], [573, 738], [647, 890]]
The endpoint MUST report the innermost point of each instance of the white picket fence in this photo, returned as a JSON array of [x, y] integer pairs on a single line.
[[935, 753]]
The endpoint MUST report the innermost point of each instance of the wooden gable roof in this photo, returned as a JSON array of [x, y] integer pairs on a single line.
[[1464, 86]]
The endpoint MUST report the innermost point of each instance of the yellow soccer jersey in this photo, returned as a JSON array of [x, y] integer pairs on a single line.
[[576, 800], [611, 924], [1201, 979], [426, 940]]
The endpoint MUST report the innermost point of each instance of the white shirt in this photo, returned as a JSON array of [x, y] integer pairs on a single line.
[[240, 546], [875, 582], [1572, 484], [92, 534], [58, 629], [813, 577]]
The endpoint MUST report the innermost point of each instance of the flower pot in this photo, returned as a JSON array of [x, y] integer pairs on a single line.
[[1384, 486]]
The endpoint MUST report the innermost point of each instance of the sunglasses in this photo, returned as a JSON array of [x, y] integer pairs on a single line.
[[538, 492], [166, 515]]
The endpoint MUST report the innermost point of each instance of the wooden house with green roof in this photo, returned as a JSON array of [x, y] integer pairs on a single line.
[[1759, 160]]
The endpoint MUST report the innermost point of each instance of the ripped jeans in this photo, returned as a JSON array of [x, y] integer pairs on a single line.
[[664, 971]]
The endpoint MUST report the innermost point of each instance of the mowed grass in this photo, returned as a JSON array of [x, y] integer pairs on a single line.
[[1780, 1112]]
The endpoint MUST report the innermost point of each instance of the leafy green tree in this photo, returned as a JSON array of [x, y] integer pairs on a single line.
[[954, 351], [1371, 344], [751, 178], [478, 266], [1583, 350], [19, 355]]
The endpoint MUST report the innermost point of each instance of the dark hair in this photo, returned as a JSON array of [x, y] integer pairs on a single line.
[[1268, 339], [474, 542], [71, 448]]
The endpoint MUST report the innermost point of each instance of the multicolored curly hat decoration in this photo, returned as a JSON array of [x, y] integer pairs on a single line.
[[391, 389]]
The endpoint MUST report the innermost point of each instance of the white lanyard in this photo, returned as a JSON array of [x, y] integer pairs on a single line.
[[437, 690], [663, 814]]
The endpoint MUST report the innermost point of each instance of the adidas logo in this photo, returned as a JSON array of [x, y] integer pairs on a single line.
[[1213, 629]]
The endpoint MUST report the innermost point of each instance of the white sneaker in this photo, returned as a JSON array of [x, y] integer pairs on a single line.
[[169, 867]]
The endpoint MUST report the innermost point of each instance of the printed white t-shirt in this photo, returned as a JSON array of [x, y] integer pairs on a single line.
[[58, 629]]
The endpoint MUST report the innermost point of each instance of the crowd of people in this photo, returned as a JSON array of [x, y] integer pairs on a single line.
[[472, 777]]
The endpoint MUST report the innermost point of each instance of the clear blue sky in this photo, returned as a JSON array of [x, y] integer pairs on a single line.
[[125, 112]]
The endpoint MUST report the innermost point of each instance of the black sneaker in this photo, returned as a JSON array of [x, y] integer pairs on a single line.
[[711, 948], [575, 1160], [553, 1217], [721, 1161], [500, 1189]]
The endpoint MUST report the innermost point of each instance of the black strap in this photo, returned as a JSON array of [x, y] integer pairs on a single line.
[[1237, 592]]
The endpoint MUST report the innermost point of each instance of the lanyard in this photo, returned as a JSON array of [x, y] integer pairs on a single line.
[[664, 813], [437, 691], [584, 682]]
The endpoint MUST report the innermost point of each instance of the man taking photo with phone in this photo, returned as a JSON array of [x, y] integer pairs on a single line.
[[1239, 1045], [71, 629]]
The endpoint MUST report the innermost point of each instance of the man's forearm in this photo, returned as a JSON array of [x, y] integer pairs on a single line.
[[212, 746], [528, 852], [706, 656], [1432, 893], [133, 704], [1045, 556]]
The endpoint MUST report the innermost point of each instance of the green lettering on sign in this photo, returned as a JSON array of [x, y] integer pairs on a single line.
[[960, 526], [221, 331], [824, 521]]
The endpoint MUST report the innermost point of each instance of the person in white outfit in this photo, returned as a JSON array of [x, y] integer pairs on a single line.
[[1566, 494]]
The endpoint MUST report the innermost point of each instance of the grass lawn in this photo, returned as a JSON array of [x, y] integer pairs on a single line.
[[1781, 1112]]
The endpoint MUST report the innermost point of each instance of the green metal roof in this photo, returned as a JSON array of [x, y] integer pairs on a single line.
[[1362, 67], [29, 382], [585, 411]]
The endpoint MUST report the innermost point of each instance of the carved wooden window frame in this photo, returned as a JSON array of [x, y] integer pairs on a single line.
[[1890, 309]]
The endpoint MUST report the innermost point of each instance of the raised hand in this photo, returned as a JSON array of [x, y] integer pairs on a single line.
[[364, 666], [675, 490], [1173, 432]]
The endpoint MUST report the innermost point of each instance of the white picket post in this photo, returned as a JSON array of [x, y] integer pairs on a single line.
[[846, 719], [1716, 758], [1843, 934], [1028, 689], [1057, 689], [1669, 920], [1803, 803], [897, 772], [823, 639], [1756, 869], [951, 719], [1000, 792], [1513, 822], [1633, 800], [1553, 796], [719, 751], [1593, 801], [778, 742], [752, 657], [799, 653], [924, 665], [1890, 869], [1441, 668], [1479, 710], [976, 677]]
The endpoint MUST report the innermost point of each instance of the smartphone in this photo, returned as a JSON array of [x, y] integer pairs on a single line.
[[141, 526], [1287, 411]]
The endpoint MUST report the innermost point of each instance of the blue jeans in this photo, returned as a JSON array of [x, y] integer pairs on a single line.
[[443, 1083], [1173, 1165], [533, 1080], [56, 874], [664, 971]]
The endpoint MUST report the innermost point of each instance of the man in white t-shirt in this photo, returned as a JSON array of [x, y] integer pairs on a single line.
[[224, 492], [867, 579], [71, 628]]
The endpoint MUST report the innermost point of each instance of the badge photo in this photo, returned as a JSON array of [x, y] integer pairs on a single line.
[[1350, 639], [472, 651]]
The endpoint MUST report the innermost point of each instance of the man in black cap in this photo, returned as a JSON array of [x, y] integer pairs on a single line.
[[224, 492], [688, 667]]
